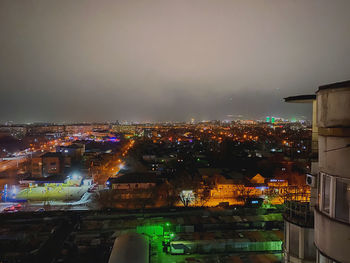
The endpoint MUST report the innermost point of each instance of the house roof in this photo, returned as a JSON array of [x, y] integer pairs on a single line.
[[52, 154], [258, 178], [134, 178]]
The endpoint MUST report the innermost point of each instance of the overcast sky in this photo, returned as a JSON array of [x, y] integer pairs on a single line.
[[87, 60]]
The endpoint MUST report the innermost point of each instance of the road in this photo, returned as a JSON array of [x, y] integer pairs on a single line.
[[112, 167], [9, 168], [11, 164]]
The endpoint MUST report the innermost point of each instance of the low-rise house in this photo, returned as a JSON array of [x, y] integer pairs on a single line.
[[133, 181]]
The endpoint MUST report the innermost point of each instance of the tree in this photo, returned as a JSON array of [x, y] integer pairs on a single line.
[[203, 195], [244, 192], [186, 197]]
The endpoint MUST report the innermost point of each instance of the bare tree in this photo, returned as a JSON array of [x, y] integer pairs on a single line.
[[203, 195], [186, 197], [244, 192]]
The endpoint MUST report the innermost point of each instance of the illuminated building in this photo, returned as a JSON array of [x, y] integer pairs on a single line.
[[15, 131], [75, 129], [40, 129], [132, 181], [128, 129], [74, 151], [225, 188], [49, 164]]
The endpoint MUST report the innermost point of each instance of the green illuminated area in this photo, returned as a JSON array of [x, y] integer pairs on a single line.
[[184, 235], [174, 242]]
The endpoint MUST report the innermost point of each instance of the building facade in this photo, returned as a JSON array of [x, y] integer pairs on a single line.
[[330, 177], [332, 213], [49, 164], [298, 245]]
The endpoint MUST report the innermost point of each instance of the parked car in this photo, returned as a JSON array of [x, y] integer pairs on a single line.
[[10, 209]]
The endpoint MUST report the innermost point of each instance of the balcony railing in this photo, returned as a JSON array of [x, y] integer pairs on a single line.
[[299, 213]]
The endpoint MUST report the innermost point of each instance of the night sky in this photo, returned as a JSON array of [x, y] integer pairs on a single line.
[[156, 60]]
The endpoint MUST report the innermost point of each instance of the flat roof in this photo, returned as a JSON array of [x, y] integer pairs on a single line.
[[336, 85], [301, 98], [237, 235], [52, 154], [134, 178]]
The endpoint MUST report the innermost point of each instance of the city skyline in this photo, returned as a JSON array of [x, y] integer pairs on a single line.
[[156, 131], [167, 60]]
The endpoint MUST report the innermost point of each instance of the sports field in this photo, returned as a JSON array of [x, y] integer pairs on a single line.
[[42, 193]]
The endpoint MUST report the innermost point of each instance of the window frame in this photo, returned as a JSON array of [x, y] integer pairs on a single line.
[[322, 190], [332, 195], [347, 181]]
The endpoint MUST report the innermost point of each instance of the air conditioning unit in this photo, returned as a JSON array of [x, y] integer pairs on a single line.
[[311, 180]]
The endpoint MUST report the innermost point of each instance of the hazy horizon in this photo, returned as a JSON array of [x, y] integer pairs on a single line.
[[162, 60]]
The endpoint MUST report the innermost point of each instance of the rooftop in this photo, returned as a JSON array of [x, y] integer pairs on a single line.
[[52, 154], [134, 178], [337, 85], [300, 98]]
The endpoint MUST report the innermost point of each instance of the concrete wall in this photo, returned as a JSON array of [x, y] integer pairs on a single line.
[[332, 237], [331, 161], [333, 107]]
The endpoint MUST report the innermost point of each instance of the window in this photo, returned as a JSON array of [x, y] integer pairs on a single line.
[[294, 240], [335, 197], [309, 247], [342, 199], [323, 259], [326, 193]]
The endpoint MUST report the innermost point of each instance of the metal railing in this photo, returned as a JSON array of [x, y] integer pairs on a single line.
[[299, 213]]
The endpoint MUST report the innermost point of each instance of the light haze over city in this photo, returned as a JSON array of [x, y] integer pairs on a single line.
[[167, 60]]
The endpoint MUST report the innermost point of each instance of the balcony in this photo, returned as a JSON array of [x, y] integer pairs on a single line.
[[299, 213]]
